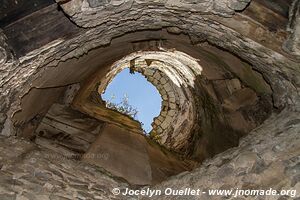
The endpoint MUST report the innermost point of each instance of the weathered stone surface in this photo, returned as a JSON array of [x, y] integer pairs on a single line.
[[240, 98], [70, 93], [267, 158], [177, 70], [80, 11], [258, 162], [28, 172], [5, 54], [134, 157], [238, 4], [292, 44], [16, 74], [65, 128]]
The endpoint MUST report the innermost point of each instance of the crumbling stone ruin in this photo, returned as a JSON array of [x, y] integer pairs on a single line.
[[228, 72]]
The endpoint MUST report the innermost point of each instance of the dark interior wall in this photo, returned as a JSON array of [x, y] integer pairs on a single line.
[[12, 10], [79, 69], [29, 34], [35, 105], [28, 23], [279, 6], [38, 28], [76, 70], [217, 65]]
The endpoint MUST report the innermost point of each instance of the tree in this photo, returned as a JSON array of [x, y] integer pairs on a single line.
[[122, 107]]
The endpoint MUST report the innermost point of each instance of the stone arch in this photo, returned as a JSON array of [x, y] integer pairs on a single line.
[[172, 73], [206, 138], [258, 69]]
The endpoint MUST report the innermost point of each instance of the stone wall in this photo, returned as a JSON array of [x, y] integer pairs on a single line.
[[135, 157], [267, 158], [66, 131], [170, 99], [29, 172], [208, 103], [80, 11], [280, 70], [292, 44], [76, 136]]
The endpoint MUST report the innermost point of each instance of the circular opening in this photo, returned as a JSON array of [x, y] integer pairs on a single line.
[[172, 76], [130, 93]]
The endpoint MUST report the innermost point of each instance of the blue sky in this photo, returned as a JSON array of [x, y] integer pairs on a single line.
[[141, 94]]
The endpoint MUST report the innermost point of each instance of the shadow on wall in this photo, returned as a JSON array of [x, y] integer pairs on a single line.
[[208, 104]]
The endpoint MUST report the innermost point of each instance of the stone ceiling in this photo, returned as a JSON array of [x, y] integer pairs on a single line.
[[224, 69]]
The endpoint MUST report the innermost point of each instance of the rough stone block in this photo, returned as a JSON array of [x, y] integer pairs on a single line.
[[163, 113], [233, 85], [165, 103], [161, 118], [164, 125], [172, 106], [172, 100], [155, 82], [157, 122], [157, 75], [163, 80], [159, 129], [164, 97], [240, 98], [172, 113], [168, 87], [159, 87], [149, 72], [171, 94], [150, 78], [168, 119], [163, 91]]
